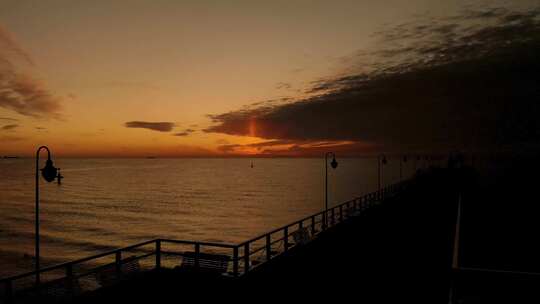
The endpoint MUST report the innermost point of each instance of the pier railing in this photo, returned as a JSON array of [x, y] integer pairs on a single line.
[[107, 268]]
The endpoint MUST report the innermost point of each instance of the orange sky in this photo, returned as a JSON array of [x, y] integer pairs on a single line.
[[86, 68]]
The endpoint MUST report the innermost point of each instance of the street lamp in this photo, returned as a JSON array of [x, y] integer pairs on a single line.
[[49, 173], [334, 164], [381, 161]]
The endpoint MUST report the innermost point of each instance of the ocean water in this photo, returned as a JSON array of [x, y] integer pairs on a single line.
[[103, 204]]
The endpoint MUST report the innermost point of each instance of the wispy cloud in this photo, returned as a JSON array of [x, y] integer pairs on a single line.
[[10, 127], [297, 148], [155, 126], [470, 80], [186, 132], [8, 45], [19, 92]]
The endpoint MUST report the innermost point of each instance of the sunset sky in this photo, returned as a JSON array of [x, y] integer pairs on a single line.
[[207, 78]]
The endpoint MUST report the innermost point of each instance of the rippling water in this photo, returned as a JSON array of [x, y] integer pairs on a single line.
[[103, 204]]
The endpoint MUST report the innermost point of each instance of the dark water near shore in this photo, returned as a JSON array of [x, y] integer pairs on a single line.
[[103, 204]]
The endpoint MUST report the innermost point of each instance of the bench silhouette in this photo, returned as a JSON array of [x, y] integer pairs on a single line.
[[207, 262]]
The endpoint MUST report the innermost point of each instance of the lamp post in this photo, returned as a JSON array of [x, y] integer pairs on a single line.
[[381, 161], [49, 173], [334, 165]]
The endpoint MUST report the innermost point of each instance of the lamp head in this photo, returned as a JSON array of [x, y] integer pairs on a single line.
[[334, 163], [384, 161], [49, 172]]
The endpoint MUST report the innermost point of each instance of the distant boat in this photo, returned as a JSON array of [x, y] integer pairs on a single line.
[[151, 157], [7, 156]]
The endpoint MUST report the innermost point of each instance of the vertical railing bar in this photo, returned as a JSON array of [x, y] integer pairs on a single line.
[[197, 252], [118, 263], [286, 238], [9, 291], [246, 257], [235, 261], [158, 254], [313, 225], [69, 278], [268, 247]]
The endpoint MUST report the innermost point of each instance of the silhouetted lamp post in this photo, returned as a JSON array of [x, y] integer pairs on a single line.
[[334, 164], [49, 173], [381, 161]]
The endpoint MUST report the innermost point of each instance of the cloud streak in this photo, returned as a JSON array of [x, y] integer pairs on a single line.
[[20, 92], [154, 126], [467, 81], [186, 132], [10, 127]]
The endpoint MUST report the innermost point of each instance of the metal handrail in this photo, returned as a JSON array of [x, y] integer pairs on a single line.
[[78, 261], [336, 214]]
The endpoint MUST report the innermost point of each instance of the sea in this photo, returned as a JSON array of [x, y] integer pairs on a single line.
[[103, 204]]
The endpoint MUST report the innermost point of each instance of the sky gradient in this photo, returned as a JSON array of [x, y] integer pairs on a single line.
[[295, 78]]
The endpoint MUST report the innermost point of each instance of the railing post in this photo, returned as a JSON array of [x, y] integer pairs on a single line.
[[197, 252], [235, 261], [118, 263], [313, 225], [158, 254], [286, 238], [69, 278], [9, 291], [333, 216], [246, 257], [268, 247], [340, 213]]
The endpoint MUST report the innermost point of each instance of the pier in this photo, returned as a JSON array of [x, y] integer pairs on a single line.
[[75, 279]]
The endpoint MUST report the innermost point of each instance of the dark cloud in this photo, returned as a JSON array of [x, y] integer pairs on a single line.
[[468, 81], [155, 126], [10, 127], [19, 92], [186, 132], [27, 96]]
